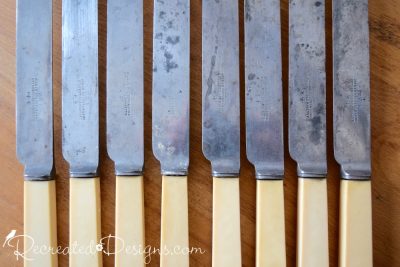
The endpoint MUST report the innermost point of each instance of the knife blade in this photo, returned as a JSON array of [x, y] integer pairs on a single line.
[[125, 143], [307, 127], [352, 137], [80, 122], [34, 134], [170, 124], [221, 124], [264, 125]]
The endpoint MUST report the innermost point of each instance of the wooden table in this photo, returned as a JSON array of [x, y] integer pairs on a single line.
[[385, 116]]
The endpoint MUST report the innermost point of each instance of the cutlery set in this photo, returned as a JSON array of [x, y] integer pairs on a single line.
[[220, 125]]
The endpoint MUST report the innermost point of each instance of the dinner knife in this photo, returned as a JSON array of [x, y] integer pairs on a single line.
[[221, 125], [125, 124], [264, 126], [34, 107], [80, 128], [170, 124], [352, 137], [307, 128]]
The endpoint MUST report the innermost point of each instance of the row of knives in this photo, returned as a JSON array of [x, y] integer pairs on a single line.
[[220, 124]]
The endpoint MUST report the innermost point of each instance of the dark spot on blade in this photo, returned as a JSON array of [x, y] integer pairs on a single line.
[[169, 64], [251, 76], [170, 24], [319, 109], [248, 11], [318, 3], [207, 124], [161, 14], [159, 35], [315, 134], [173, 40]]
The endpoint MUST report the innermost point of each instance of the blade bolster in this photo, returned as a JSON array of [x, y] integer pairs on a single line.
[[83, 172], [39, 172], [224, 175], [355, 171], [36, 178], [128, 170], [37, 175], [225, 170], [311, 169], [177, 165], [174, 172], [269, 176], [128, 173], [269, 170]]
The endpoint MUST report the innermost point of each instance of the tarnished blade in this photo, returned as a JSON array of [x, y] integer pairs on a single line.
[[125, 85], [34, 88], [221, 106], [307, 96], [263, 72], [351, 109], [80, 115], [171, 75]]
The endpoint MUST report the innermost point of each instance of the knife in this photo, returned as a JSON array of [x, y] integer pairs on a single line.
[[170, 124], [264, 126], [221, 125], [125, 124], [80, 122], [34, 107], [307, 128], [352, 130]]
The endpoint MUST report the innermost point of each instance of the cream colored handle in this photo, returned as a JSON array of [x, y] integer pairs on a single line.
[[226, 248], [129, 221], [312, 223], [270, 225], [355, 248], [174, 222], [40, 223], [84, 223]]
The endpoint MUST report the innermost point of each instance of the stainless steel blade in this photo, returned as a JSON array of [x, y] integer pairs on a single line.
[[221, 105], [34, 88], [263, 72], [351, 76], [307, 96], [125, 85], [80, 115], [171, 75]]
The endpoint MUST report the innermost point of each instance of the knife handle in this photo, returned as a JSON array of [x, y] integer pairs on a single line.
[[355, 245], [270, 225], [84, 216], [174, 222], [226, 247], [129, 221], [312, 223], [40, 222]]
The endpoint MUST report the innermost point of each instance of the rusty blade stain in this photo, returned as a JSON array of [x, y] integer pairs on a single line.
[[125, 85], [34, 104], [80, 109], [351, 76], [307, 88], [221, 105], [263, 74], [171, 84]]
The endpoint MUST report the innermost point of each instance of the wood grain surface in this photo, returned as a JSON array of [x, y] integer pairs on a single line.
[[385, 117]]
